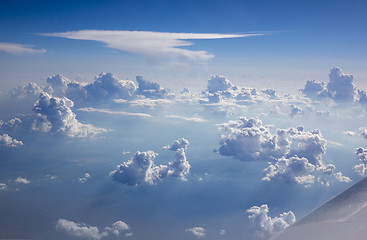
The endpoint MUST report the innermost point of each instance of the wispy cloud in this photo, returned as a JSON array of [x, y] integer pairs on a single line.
[[192, 119], [19, 49], [107, 111], [154, 45]]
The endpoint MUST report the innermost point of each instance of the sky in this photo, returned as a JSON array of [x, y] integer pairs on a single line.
[[177, 119]]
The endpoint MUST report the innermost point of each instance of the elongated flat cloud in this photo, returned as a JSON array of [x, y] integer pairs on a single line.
[[19, 49], [107, 111], [156, 45]]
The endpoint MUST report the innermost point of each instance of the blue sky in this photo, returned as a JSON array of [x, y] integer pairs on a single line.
[[245, 112], [300, 36]]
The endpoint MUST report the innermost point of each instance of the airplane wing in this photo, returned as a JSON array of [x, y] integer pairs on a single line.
[[343, 217]]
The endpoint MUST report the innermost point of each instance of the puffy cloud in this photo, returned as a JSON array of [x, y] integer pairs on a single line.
[[151, 89], [314, 89], [11, 125], [156, 45], [363, 131], [21, 180], [295, 110], [294, 153], [117, 228], [55, 115], [341, 178], [361, 169], [85, 178], [362, 154], [179, 167], [340, 88], [179, 143], [6, 140], [106, 86], [85, 231], [142, 169], [311, 145], [19, 49], [219, 83], [341, 85], [3, 187], [266, 226], [58, 85], [26, 90], [198, 232], [246, 139], [294, 169]]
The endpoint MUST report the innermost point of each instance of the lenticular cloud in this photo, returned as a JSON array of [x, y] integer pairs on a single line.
[[154, 45]]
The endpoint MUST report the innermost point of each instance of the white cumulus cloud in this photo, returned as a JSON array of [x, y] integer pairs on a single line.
[[90, 232], [198, 232], [141, 168], [55, 115], [266, 226], [22, 180]]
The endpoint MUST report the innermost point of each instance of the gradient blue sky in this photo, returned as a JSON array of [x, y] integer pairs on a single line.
[[303, 39], [112, 118]]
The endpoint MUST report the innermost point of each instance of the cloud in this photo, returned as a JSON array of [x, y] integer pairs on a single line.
[[361, 169], [11, 125], [108, 86], [294, 169], [26, 90], [107, 111], [85, 231], [295, 110], [154, 45], [179, 143], [19, 49], [339, 176], [145, 102], [3, 187], [179, 167], [341, 85], [293, 153], [363, 131], [340, 88], [198, 232], [55, 115], [6, 140], [21, 180], [85, 178], [218, 83], [249, 140], [151, 89], [141, 167], [190, 119], [266, 226]]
